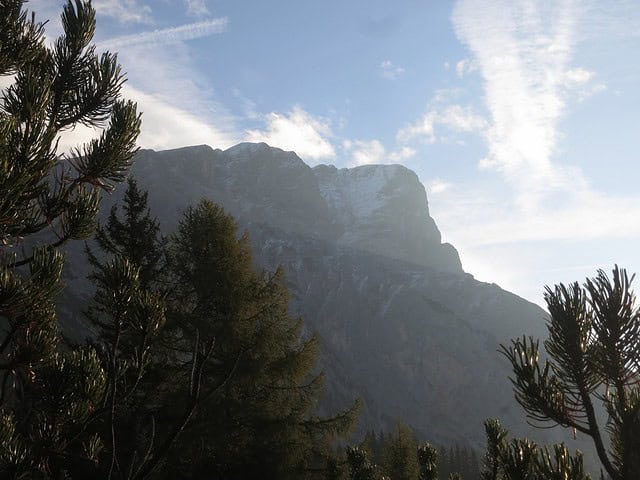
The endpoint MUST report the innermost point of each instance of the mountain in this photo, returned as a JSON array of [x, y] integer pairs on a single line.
[[403, 327]]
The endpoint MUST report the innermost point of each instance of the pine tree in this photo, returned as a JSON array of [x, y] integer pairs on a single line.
[[135, 237], [360, 467], [47, 395], [594, 354], [261, 424], [522, 459], [428, 461], [401, 454], [128, 318], [496, 439]]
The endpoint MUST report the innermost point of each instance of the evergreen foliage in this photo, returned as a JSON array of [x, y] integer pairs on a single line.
[[128, 318], [428, 461], [49, 394], [398, 455], [360, 468], [496, 438], [522, 459], [135, 237], [594, 354], [261, 423], [401, 454]]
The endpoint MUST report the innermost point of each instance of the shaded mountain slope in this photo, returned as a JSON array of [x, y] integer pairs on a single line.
[[403, 326]]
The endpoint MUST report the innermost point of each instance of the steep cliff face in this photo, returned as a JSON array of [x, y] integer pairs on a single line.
[[383, 209], [403, 327]]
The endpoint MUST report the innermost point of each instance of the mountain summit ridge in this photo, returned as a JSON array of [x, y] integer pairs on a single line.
[[381, 209]]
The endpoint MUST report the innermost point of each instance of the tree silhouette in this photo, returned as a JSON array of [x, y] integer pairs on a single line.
[[47, 198], [594, 355]]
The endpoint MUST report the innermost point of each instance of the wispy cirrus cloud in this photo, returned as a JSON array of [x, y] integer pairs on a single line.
[[524, 54], [523, 51], [171, 35], [167, 125], [164, 125], [179, 105]]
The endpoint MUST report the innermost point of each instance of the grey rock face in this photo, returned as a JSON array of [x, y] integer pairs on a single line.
[[383, 209], [403, 327]]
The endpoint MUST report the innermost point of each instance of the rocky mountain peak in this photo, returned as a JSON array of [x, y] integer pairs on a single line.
[[380, 209]]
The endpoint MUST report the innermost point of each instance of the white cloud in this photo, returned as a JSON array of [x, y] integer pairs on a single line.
[[491, 232], [452, 118], [249, 107], [590, 90], [171, 35], [523, 51], [537, 211], [462, 119], [423, 128], [197, 7], [366, 152], [390, 71], [437, 185], [577, 76], [579, 82], [164, 126], [475, 216], [465, 66], [180, 107], [299, 131], [405, 153], [125, 11]]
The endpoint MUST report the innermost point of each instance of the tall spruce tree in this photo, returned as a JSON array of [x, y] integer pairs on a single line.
[[594, 355], [132, 234], [261, 424], [47, 395]]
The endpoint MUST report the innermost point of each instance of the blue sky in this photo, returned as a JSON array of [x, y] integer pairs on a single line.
[[520, 117]]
